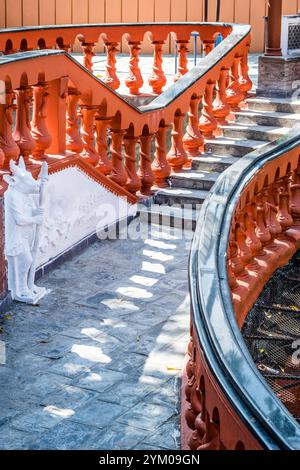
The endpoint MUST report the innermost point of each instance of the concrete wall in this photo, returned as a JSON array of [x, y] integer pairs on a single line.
[[39, 12]]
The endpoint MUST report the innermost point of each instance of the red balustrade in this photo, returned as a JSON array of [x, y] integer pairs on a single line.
[[266, 231], [54, 108]]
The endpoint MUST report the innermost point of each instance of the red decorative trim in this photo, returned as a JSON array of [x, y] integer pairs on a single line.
[[56, 165]]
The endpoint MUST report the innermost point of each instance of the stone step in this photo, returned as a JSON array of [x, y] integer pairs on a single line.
[[254, 132], [213, 163], [194, 179], [266, 118], [236, 147], [278, 105], [180, 197], [170, 216]]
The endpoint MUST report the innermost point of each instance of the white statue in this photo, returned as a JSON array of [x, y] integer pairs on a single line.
[[23, 220]]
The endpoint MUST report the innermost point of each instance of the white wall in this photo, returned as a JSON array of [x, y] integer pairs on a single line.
[[76, 206]]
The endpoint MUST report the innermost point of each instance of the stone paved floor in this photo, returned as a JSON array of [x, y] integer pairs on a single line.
[[97, 364]]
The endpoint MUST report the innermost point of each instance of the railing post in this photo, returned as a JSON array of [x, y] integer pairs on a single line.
[[74, 142], [177, 156], [193, 140], [208, 123], [221, 108], [283, 215], [9, 147], [182, 47], [2, 158], [111, 79], [208, 46], [89, 153], [22, 135], [160, 165], [102, 124], [134, 81], [39, 130], [295, 196], [145, 170], [56, 115], [157, 79], [88, 54], [245, 81], [133, 183], [118, 173], [234, 94]]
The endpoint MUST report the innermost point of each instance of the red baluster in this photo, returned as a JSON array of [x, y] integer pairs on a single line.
[[39, 129], [182, 47], [245, 82], [22, 134], [193, 140], [118, 173], [134, 81], [221, 108], [74, 142], [2, 156], [88, 54], [208, 123], [244, 252], [234, 94], [89, 153], [160, 165], [208, 46], [145, 170], [283, 215], [111, 79], [252, 240], [102, 124], [133, 183], [9, 148], [157, 79], [295, 196], [177, 156]]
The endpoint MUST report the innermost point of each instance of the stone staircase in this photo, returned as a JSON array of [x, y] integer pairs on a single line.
[[263, 121]]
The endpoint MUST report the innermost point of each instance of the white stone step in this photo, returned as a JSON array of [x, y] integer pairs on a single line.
[[213, 163], [237, 147], [281, 105], [180, 196], [170, 216], [268, 118], [194, 179], [254, 132]]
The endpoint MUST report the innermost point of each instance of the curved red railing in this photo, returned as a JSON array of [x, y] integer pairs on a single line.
[[56, 83], [253, 215]]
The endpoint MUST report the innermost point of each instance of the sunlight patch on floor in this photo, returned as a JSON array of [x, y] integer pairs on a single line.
[[153, 267], [91, 353], [143, 280], [134, 292], [60, 412], [157, 255]]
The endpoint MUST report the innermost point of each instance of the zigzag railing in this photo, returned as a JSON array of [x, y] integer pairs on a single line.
[[73, 112], [253, 215]]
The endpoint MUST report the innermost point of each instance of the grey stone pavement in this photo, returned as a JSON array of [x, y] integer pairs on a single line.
[[97, 364], [146, 62]]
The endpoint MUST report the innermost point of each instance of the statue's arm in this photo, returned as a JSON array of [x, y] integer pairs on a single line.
[[20, 219], [24, 219]]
